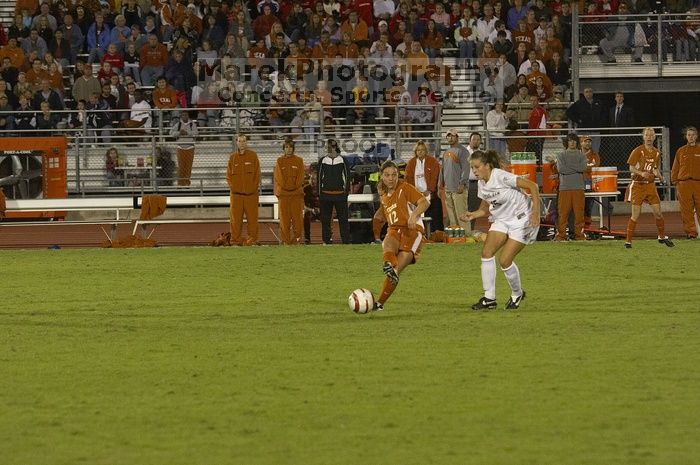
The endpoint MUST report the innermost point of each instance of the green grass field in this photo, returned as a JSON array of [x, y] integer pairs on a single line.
[[251, 356]]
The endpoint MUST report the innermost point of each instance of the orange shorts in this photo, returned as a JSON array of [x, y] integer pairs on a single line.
[[410, 240], [638, 193]]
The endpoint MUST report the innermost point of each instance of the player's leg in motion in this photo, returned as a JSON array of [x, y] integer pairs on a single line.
[[632, 225], [658, 216], [494, 241], [510, 249], [388, 287]]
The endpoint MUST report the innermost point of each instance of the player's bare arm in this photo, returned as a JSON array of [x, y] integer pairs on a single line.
[[480, 213], [422, 206], [535, 194]]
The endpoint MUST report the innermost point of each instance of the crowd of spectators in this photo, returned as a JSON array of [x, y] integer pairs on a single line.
[[284, 61]]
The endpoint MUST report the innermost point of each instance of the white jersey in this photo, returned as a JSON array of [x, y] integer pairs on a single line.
[[507, 203]]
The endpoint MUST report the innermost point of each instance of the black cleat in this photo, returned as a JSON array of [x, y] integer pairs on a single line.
[[514, 304], [667, 242], [378, 307], [691, 237], [390, 272], [485, 304], [628, 245]]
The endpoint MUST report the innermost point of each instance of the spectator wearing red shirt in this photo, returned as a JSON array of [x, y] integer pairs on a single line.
[[263, 23], [537, 124], [114, 58]]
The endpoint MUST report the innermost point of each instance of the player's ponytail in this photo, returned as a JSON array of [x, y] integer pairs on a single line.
[[489, 157]]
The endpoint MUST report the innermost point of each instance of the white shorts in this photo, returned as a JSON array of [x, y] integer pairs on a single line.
[[521, 231]]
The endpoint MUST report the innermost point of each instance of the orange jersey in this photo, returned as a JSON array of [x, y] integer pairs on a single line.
[[243, 173], [686, 164], [166, 98], [398, 206], [645, 160], [289, 176]]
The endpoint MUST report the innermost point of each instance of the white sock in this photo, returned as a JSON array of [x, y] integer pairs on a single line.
[[488, 277], [513, 277]]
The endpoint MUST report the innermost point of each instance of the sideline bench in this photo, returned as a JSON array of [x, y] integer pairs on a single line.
[[118, 205], [109, 204]]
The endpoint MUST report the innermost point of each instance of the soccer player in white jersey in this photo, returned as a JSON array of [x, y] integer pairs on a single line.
[[515, 220]]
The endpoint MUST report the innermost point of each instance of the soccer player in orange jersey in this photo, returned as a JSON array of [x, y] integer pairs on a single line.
[[644, 165], [402, 207]]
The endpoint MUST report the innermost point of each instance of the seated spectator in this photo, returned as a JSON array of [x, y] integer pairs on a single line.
[[98, 37], [519, 106], [553, 42], [22, 87], [506, 72], [6, 116], [153, 59], [46, 121], [263, 24], [556, 108], [139, 117], [105, 73], [60, 49], [166, 100], [114, 58], [488, 58], [618, 35], [206, 102], [84, 86], [36, 74], [502, 45], [465, 37], [207, 58], [441, 18], [432, 40], [132, 12], [14, 53], [45, 14], [44, 30], [214, 34], [23, 118], [519, 56], [8, 73], [113, 174], [18, 30], [501, 26], [496, 124], [187, 32], [180, 76], [348, 49], [120, 34], [542, 92], [357, 28], [78, 118], [536, 74], [132, 63], [324, 48], [526, 67], [558, 70], [493, 85], [171, 15], [11, 97], [524, 35], [99, 120], [46, 94]]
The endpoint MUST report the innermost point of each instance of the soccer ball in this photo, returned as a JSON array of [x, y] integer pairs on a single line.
[[361, 300]]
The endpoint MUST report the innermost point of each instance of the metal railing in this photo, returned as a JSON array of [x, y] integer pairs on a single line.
[[147, 154]]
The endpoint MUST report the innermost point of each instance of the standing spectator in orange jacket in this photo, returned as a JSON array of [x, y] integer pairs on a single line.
[[685, 174], [243, 177], [423, 172], [289, 189]]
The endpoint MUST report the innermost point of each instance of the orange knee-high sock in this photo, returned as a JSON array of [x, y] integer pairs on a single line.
[[377, 228], [391, 258], [387, 289], [631, 226], [660, 227]]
